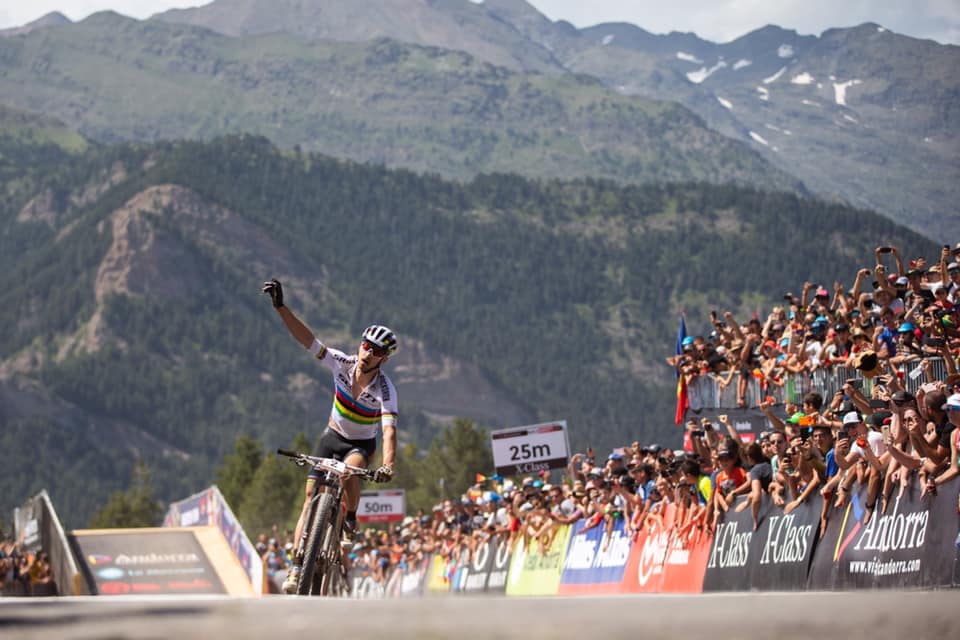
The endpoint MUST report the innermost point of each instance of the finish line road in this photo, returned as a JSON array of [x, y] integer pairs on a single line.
[[912, 615]]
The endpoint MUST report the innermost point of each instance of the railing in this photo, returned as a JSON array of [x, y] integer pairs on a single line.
[[705, 391]]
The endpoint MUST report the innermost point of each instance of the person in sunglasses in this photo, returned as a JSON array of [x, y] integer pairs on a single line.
[[364, 400]]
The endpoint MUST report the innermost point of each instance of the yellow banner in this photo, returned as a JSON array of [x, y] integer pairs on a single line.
[[437, 579], [534, 572]]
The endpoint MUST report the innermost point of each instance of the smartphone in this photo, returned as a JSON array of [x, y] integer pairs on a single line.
[[805, 433], [885, 249], [697, 433], [856, 383], [886, 432]]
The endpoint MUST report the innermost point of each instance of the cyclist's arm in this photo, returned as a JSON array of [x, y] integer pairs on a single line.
[[300, 332], [388, 422], [389, 444]]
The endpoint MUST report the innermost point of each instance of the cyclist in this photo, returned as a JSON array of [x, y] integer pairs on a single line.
[[364, 398]]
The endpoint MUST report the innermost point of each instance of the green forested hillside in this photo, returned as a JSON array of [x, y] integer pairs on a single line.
[[113, 78], [565, 295]]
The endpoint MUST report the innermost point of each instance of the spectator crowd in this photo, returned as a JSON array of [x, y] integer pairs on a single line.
[[25, 573]]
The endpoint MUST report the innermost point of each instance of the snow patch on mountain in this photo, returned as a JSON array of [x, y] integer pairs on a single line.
[[850, 118], [703, 73], [688, 57], [741, 63], [803, 78], [725, 103], [785, 51], [756, 136], [764, 94], [774, 127], [810, 103], [840, 90], [607, 39], [775, 76]]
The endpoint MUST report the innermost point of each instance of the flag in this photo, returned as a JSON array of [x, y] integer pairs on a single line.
[[683, 400], [681, 334]]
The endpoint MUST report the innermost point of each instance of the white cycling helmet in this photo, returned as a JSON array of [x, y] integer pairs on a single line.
[[381, 336]]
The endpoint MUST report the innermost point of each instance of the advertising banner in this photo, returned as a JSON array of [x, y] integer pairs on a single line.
[[210, 508], [381, 506], [910, 545], [774, 557], [438, 578], [686, 560], [499, 565], [407, 580], [595, 562], [476, 570], [362, 584], [535, 572], [644, 573], [536, 447], [730, 550], [783, 546], [145, 561]]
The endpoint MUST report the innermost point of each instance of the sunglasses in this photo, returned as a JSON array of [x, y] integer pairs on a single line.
[[374, 349]]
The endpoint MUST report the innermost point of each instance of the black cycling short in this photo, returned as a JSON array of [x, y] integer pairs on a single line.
[[333, 445]]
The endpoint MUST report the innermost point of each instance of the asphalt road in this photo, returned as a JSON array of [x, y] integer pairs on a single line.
[[769, 616]]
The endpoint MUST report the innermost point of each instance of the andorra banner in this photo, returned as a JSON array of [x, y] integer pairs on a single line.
[[910, 545]]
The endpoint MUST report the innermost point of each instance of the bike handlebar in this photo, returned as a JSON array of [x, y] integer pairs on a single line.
[[328, 464]]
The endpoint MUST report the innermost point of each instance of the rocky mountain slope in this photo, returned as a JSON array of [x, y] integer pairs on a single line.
[[863, 114], [382, 101]]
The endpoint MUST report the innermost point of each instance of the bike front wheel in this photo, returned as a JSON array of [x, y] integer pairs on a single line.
[[313, 564]]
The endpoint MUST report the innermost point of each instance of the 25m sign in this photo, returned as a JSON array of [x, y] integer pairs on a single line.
[[531, 448]]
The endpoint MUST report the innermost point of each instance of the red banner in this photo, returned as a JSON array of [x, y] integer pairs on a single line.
[[664, 560]]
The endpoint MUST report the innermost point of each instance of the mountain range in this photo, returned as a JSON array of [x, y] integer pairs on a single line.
[[861, 115]]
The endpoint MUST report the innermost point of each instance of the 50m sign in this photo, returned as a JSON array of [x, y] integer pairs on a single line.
[[520, 450], [381, 506]]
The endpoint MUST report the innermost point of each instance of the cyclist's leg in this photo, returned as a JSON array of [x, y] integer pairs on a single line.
[[360, 455]]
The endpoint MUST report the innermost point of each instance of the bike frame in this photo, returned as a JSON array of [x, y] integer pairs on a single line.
[[323, 558]]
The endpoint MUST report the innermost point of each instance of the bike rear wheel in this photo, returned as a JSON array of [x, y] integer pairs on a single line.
[[312, 563]]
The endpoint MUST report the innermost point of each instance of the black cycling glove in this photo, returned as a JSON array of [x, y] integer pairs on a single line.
[[276, 292]]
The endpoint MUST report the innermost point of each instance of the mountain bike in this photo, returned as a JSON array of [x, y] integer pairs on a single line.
[[323, 571]]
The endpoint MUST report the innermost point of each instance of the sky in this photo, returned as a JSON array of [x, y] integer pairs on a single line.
[[716, 20]]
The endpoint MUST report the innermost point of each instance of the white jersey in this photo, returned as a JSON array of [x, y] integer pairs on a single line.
[[357, 418]]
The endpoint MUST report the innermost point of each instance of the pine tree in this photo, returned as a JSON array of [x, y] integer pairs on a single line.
[[274, 493], [135, 507], [236, 473]]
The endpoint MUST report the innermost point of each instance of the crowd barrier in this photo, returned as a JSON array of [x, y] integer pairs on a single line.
[[704, 392], [36, 526], [210, 508], [910, 545]]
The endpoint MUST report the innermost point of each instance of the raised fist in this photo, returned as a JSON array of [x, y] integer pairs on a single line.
[[275, 291]]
